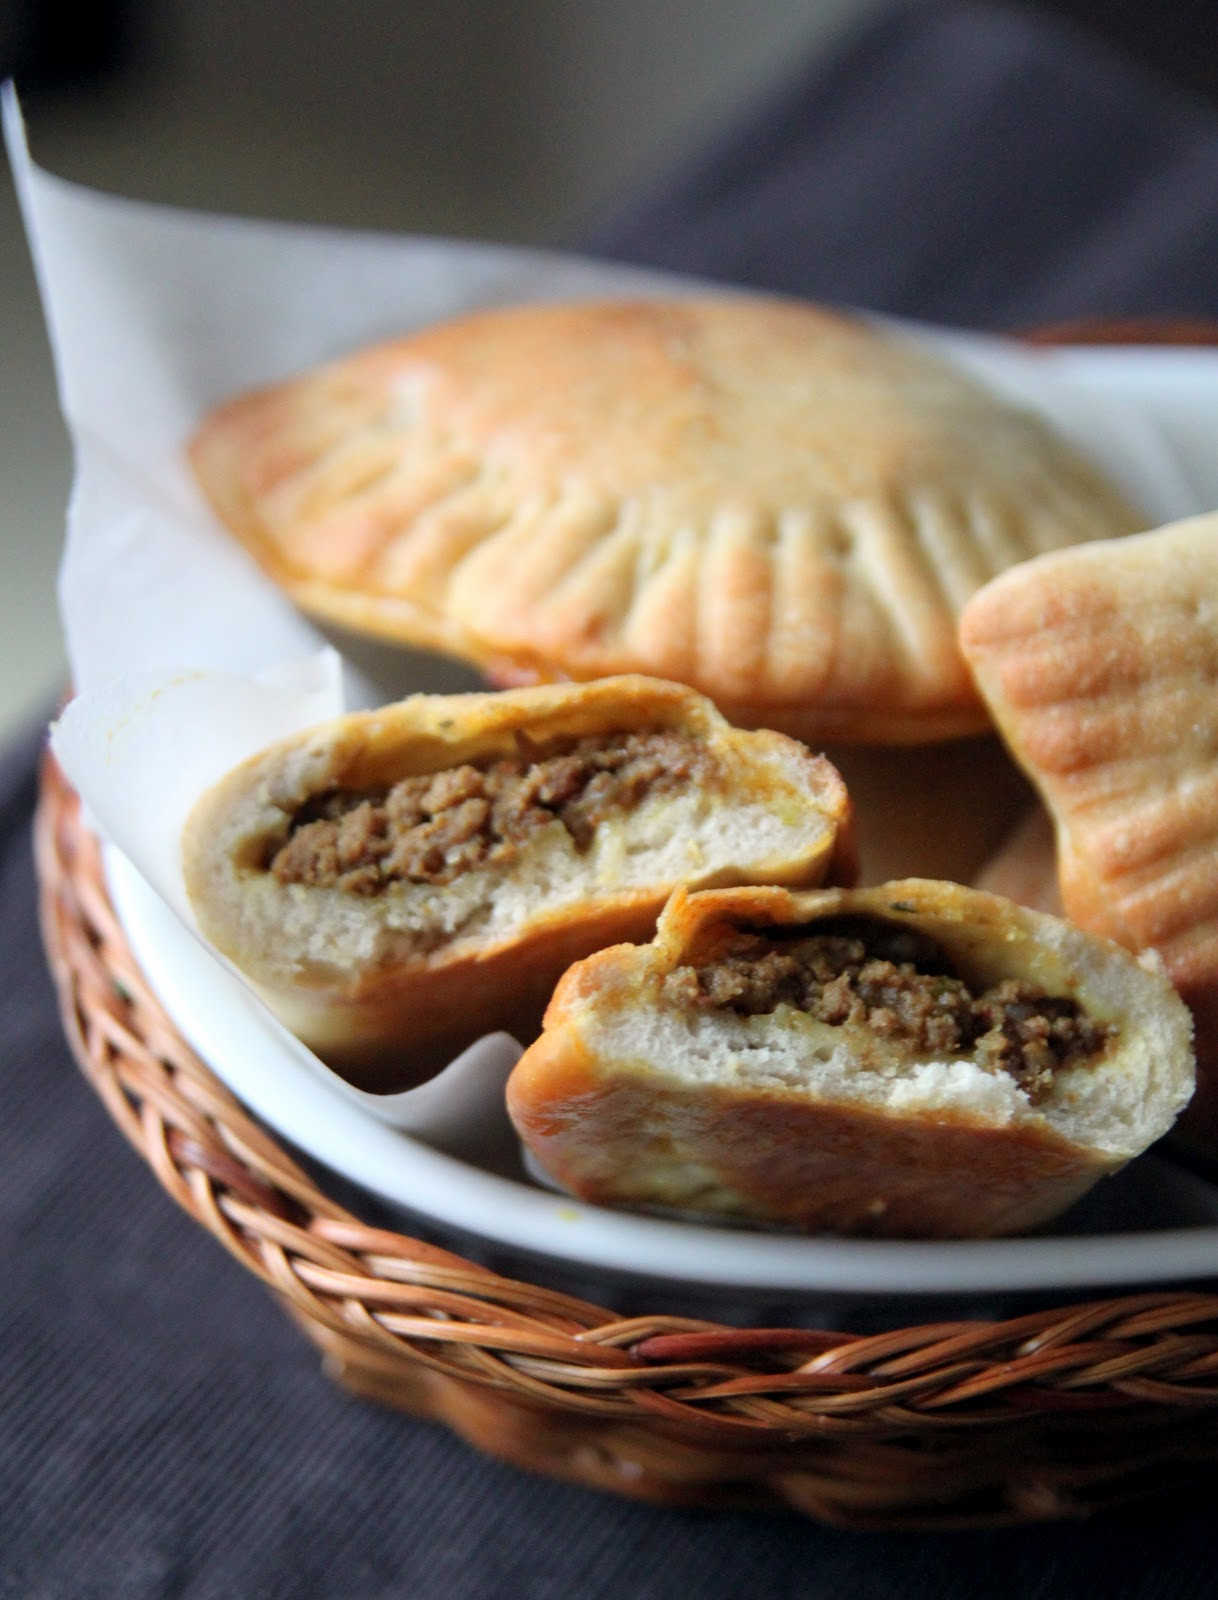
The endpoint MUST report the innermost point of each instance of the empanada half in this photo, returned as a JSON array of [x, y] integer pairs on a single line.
[[396, 883], [781, 506], [1100, 667], [914, 1060]]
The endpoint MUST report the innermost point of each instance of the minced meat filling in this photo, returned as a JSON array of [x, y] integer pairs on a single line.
[[899, 985], [433, 827]]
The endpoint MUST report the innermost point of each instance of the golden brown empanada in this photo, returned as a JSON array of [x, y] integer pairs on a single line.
[[1100, 666], [778, 505], [915, 1060], [397, 882]]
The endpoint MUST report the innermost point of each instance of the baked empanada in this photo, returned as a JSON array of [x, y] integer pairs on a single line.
[[781, 506], [397, 882], [1100, 666], [915, 1060]]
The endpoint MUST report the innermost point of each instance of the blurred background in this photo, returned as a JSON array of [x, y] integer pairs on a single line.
[[521, 120]]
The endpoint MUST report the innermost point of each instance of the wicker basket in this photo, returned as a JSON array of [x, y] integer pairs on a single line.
[[1049, 1415], [1054, 1414]]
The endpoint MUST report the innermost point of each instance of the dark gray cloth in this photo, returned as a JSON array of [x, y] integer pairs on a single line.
[[164, 1431], [963, 164]]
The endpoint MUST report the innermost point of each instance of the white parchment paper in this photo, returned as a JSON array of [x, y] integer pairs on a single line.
[[186, 659]]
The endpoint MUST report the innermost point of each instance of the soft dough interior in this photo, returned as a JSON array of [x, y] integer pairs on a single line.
[[1099, 1099], [701, 831]]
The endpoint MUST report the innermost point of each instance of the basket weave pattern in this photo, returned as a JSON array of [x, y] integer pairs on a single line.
[[965, 1423]]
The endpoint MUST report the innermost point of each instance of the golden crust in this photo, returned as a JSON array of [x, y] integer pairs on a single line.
[[775, 504], [1100, 666], [616, 1122], [388, 988]]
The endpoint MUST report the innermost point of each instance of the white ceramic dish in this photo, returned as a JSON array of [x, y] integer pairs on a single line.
[[1152, 1224]]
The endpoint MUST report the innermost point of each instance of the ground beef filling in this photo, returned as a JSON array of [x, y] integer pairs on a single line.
[[899, 985], [433, 828]]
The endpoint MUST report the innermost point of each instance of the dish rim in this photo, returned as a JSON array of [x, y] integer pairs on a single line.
[[280, 1082]]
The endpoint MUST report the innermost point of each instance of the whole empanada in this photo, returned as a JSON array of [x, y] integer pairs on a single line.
[[1100, 666], [781, 506], [397, 882], [917, 1060]]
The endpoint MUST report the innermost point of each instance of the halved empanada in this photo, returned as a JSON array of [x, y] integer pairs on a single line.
[[1100, 666], [782, 507], [397, 882], [915, 1060]]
